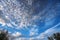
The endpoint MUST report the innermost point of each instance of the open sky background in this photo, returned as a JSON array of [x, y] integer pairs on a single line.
[[30, 19]]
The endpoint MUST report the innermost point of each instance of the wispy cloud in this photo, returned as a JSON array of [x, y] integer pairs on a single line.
[[49, 32]]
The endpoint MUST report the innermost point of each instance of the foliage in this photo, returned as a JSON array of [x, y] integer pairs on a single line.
[[3, 35], [55, 36]]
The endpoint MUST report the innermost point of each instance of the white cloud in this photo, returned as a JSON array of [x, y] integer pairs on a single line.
[[8, 24], [33, 31], [17, 34], [1, 7], [23, 19], [2, 22]]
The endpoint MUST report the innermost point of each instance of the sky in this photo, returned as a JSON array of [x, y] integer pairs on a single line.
[[30, 19]]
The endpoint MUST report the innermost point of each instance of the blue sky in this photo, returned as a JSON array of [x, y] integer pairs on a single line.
[[31, 19]]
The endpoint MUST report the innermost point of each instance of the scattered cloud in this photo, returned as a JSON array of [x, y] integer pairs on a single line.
[[49, 32], [17, 34], [2, 22], [1, 7], [33, 31]]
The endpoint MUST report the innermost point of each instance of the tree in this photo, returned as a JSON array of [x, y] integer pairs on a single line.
[[4, 35], [55, 36]]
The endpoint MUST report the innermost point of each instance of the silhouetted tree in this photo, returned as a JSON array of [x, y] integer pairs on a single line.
[[55, 36], [4, 35]]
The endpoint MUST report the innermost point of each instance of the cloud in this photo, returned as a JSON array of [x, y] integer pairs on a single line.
[[1, 7], [17, 15], [42, 36], [33, 31], [2, 22], [17, 34], [49, 32], [29, 2]]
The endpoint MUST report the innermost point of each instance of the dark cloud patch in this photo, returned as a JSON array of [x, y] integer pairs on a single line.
[[39, 5]]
